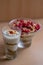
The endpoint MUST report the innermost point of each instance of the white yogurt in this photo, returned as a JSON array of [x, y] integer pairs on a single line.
[[11, 39]]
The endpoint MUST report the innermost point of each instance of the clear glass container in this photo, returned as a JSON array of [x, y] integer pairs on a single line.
[[11, 42], [26, 39]]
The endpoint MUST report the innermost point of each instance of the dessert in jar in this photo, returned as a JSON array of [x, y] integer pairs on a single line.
[[11, 39], [28, 28]]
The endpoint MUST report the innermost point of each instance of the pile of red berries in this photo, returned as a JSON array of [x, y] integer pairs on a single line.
[[27, 26]]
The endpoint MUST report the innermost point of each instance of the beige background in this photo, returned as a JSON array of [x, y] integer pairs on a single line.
[[10, 9]]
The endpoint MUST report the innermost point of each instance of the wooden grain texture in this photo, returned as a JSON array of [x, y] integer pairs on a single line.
[[10, 9], [32, 8]]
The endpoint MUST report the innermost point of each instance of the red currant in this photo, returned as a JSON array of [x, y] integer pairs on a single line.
[[37, 27]]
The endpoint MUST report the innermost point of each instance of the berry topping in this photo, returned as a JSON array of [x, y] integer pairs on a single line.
[[21, 20], [25, 30], [24, 24], [37, 26], [27, 26]]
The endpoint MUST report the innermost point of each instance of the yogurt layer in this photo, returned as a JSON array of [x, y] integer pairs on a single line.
[[11, 36]]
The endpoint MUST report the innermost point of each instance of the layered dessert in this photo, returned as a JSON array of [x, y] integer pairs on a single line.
[[11, 39], [11, 36], [28, 28]]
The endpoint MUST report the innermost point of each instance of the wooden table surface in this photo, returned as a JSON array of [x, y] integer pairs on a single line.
[[28, 56]]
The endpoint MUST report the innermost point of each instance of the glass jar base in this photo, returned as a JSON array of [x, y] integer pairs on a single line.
[[11, 54], [24, 44], [8, 57], [27, 45]]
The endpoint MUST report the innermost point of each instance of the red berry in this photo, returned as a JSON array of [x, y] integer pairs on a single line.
[[19, 25], [29, 21], [29, 25], [25, 30], [32, 23], [24, 24], [21, 21], [37, 27]]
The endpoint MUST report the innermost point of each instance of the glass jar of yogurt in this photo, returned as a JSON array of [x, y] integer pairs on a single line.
[[11, 40]]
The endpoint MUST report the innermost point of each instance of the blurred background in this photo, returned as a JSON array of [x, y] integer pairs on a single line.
[[10, 9]]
